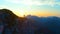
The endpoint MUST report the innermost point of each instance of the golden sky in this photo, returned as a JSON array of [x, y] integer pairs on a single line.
[[32, 7], [36, 13]]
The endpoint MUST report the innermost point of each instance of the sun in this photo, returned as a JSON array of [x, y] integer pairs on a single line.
[[20, 13]]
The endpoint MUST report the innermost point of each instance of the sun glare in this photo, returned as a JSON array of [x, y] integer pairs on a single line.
[[19, 13], [22, 13]]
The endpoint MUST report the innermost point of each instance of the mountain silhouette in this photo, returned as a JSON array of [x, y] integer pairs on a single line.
[[51, 23]]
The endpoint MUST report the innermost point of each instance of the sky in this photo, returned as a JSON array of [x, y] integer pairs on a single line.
[[32, 7]]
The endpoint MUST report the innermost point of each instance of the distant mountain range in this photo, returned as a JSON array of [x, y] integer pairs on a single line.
[[51, 22]]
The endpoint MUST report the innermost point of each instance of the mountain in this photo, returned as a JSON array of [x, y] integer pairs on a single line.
[[51, 23]]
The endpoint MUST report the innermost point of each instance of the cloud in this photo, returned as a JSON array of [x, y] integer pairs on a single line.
[[6, 7], [35, 2], [50, 2], [3, 6], [13, 1]]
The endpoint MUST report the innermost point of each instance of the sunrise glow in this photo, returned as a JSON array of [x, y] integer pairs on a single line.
[[32, 7]]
